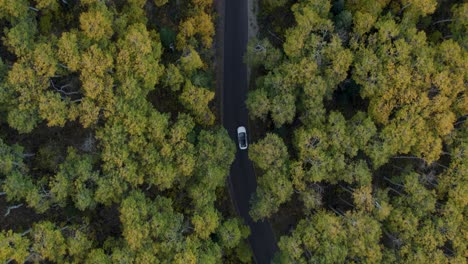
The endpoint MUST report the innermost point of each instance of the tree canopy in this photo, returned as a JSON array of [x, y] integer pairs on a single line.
[[368, 100], [110, 150]]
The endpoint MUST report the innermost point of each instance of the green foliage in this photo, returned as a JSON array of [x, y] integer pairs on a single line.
[[261, 52], [143, 219], [17, 183], [199, 24], [138, 57], [110, 189], [79, 77], [416, 113], [244, 252], [160, 2], [231, 232], [53, 109], [270, 5], [269, 153], [47, 4], [78, 245], [168, 37], [190, 61], [215, 152], [96, 23], [314, 63], [330, 239], [13, 247], [324, 235], [13, 9], [459, 24], [196, 100], [172, 78], [97, 256], [75, 179], [379, 177], [19, 39], [48, 242], [274, 186], [258, 104], [206, 222], [11, 158], [68, 50], [344, 20]]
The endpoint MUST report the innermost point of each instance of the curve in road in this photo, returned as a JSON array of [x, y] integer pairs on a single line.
[[242, 178]]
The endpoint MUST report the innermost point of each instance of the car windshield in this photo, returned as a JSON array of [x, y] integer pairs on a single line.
[[242, 139]]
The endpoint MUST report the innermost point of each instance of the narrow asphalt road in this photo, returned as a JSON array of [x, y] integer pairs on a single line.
[[242, 177]]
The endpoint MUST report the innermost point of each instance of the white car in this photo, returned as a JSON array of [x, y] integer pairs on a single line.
[[242, 137]]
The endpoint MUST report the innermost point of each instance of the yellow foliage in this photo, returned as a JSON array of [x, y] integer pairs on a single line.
[[363, 198], [201, 24], [97, 23], [363, 22]]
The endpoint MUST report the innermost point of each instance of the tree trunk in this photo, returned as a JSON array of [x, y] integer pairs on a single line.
[[26, 232], [346, 202], [390, 181], [11, 208], [442, 21], [403, 8], [336, 211]]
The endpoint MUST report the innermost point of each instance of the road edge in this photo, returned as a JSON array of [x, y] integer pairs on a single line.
[[219, 57]]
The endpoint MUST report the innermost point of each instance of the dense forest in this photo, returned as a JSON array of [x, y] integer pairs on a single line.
[[360, 109], [110, 151]]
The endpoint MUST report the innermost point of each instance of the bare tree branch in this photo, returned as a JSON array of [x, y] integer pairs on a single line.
[[11, 208]]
